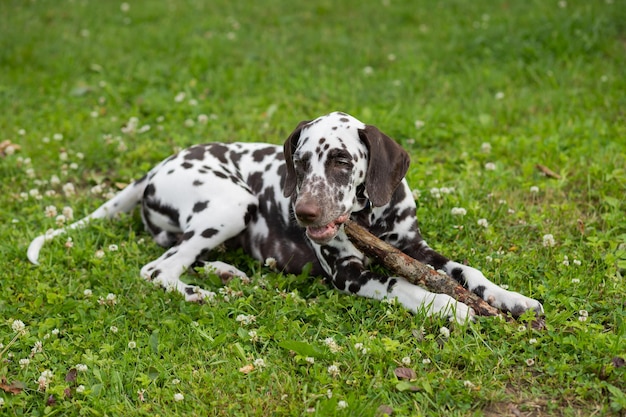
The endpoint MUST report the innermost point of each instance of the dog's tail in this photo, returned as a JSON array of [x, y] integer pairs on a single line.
[[123, 202]]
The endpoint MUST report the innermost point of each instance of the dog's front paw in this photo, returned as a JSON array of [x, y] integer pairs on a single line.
[[514, 303]]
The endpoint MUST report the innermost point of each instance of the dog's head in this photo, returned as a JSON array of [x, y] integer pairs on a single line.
[[328, 160]]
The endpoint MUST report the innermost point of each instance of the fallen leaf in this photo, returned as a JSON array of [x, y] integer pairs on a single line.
[[246, 369], [406, 386], [405, 373], [71, 375], [547, 171], [67, 393], [384, 410], [618, 362], [14, 387]]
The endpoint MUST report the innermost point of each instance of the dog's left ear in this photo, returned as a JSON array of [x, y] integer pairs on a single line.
[[288, 148], [388, 164]]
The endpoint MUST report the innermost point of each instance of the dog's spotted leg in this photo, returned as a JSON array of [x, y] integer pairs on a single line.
[[195, 243], [345, 264], [475, 281]]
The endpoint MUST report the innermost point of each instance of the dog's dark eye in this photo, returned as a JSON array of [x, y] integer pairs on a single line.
[[343, 163]]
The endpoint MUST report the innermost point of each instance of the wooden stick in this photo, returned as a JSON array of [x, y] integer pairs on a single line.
[[414, 271]]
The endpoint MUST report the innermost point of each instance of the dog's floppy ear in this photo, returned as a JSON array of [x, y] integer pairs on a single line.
[[388, 164], [290, 145]]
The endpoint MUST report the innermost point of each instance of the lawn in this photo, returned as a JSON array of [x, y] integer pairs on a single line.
[[94, 93]]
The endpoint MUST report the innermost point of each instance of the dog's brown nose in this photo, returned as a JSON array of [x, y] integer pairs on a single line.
[[307, 211]]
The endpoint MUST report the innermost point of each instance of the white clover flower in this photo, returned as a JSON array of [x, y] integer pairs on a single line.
[[406, 361], [113, 329], [499, 95], [259, 363], [419, 124], [548, 240], [81, 367], [271, 263], [143, 129], [125, 7], [577, 262], [113, 247], [203, 119], [483, 222], [24, 362], [575, 280], [490, 166], [468, 384], [245, 319], [68, 213], [69, 189], [57, 136], [310, 360], [178, 397], [435, 192], [445, 332], [99, 254], [80, 389], [132, 345], [425, 361], [333, 370], [254, 337], [55, 331], [530, 361], [18, 326], [189, 123], [416, 194], [532, 341], [485, 147], [332, 345], [368, 70], [37, 347], [342, 404], [44, 379], [458, 211], [59, 220], [534, 189]]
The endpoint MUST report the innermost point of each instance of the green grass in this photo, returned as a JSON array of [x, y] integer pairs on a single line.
[[541, 82]]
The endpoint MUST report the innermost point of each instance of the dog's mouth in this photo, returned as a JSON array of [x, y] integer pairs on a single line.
[[324, 234]]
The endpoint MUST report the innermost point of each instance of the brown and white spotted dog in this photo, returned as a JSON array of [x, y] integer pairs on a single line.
[[289, 204]]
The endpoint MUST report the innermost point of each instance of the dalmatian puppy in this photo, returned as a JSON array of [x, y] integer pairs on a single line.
[[290, 203]]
